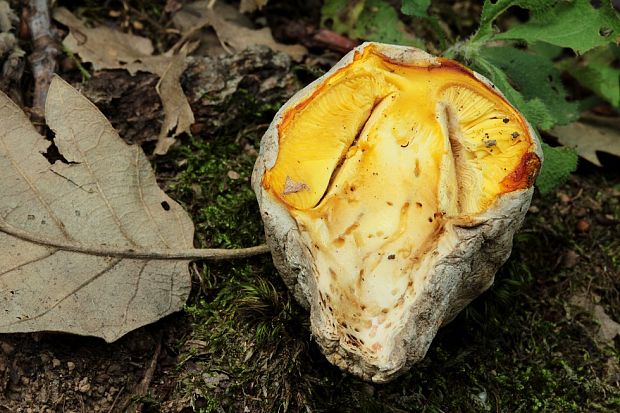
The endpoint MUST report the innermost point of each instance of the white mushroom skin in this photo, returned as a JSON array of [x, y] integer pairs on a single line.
[[461, 266]]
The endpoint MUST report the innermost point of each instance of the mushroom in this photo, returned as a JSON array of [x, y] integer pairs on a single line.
[[390, 189]]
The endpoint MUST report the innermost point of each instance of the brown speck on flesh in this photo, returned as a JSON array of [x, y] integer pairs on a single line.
[[389, 203], [514, 135], [430, 219], [391, 256], [292, 187], [418, 204], [505, 120], [490, 143]]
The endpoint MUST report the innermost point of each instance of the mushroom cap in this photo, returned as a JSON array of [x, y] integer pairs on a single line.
[[390, 190]]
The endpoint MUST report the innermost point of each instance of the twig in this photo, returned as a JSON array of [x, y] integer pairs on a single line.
[[111, 409], [43, 57], [142, 388], [152, 254]]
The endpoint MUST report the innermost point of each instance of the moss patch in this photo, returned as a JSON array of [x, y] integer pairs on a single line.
[[519, 347]]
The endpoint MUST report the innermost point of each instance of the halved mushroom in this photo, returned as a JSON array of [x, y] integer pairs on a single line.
[[390, 190]]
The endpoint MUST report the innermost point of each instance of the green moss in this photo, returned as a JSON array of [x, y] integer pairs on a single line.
[[514, 349]]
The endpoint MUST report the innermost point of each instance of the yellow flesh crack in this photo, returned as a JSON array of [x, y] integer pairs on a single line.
[[371, 167]]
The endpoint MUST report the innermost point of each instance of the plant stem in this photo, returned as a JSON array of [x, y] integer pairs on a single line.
[[188, 254]]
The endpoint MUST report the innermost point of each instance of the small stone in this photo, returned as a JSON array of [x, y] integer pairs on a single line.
[[570, 259], [233, 175], [580, 212], [25, 380], [55, 363], [7, 348], [533, 209], [70, 365], [564, 198], [84, 385], [582, 225]]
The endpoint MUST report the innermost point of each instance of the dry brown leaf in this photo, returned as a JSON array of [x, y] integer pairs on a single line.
[[103, 46], [248, 6], [74, 236], [239, 38], [107, 48], [608, 328], [231, 28], [594, 134]]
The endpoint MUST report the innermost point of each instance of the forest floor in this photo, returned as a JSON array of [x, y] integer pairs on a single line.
[[542, 338]]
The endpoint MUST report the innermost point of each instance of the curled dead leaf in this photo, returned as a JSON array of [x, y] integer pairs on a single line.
[[107, 48], [231, 28], [248, 6]]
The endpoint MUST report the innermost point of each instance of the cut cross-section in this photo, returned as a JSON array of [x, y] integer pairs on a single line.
[[379, 165]]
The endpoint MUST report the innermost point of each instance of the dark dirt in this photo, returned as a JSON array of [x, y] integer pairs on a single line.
[[243, 344]]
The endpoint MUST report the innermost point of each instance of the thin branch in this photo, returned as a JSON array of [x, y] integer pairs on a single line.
[[150, 254], [142, 388], [43, 57]]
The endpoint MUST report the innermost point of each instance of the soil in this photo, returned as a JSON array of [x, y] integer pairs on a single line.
[[242, 344]]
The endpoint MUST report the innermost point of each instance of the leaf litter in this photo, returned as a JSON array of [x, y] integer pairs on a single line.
[[107, 48], [233, 31], [591, 135], [74, 235]]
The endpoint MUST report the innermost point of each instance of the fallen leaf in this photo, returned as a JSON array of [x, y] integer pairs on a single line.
[[248, 6], [240, 38], [103, 46], [107, 48], [76, 238], [231, 28], [591, 135], [178, 115], [608, 328]]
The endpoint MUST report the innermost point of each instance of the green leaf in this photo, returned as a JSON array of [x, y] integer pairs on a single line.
[[576, 24], [559, 163], [534, 77], [533, 109], [491, 10], [418, 8], [597, 71], [374, 20]]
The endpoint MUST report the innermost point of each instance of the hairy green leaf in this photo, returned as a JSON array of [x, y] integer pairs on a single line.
[[491, 10], [533, 109], [374, 20], [418, 8], [558, 165], [599, 72], [534, 77], [577, 24]]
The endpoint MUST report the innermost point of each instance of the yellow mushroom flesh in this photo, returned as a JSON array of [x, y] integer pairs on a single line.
[[374, 165]]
